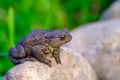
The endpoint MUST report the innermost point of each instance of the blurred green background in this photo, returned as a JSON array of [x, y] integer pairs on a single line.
[[19, 17]]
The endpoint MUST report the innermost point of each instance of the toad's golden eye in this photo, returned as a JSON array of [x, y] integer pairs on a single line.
[[62, 37]]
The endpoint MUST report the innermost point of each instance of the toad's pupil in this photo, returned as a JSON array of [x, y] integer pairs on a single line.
[[62, 37]]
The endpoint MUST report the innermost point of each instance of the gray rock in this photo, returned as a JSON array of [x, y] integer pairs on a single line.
[[99, 43], [72, 68], [113, 12]]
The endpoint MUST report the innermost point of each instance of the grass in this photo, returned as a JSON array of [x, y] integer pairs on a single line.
[[10, 23]]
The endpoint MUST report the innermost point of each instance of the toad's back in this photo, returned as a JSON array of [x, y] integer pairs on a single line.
[[34, 38]]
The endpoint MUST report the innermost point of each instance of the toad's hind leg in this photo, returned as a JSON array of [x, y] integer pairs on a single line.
[[17, 53], [38, 53]]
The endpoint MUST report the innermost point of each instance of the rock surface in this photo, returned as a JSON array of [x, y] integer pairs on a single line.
[[99, 43], [113, 12], [72, 68]]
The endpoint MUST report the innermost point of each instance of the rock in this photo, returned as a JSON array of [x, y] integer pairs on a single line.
[[99, 43], [113, 12], [72, 68]]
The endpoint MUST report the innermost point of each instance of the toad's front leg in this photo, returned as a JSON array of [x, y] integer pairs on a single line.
[[38, 52], [56, 55]]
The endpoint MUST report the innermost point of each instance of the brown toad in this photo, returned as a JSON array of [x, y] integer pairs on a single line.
[[39, 43]]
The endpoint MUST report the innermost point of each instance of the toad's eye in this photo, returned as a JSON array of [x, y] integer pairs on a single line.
[[62, 37]]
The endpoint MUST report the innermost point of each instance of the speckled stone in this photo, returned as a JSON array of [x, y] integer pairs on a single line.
[[99, 43], [72, 68], [113, 12]]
